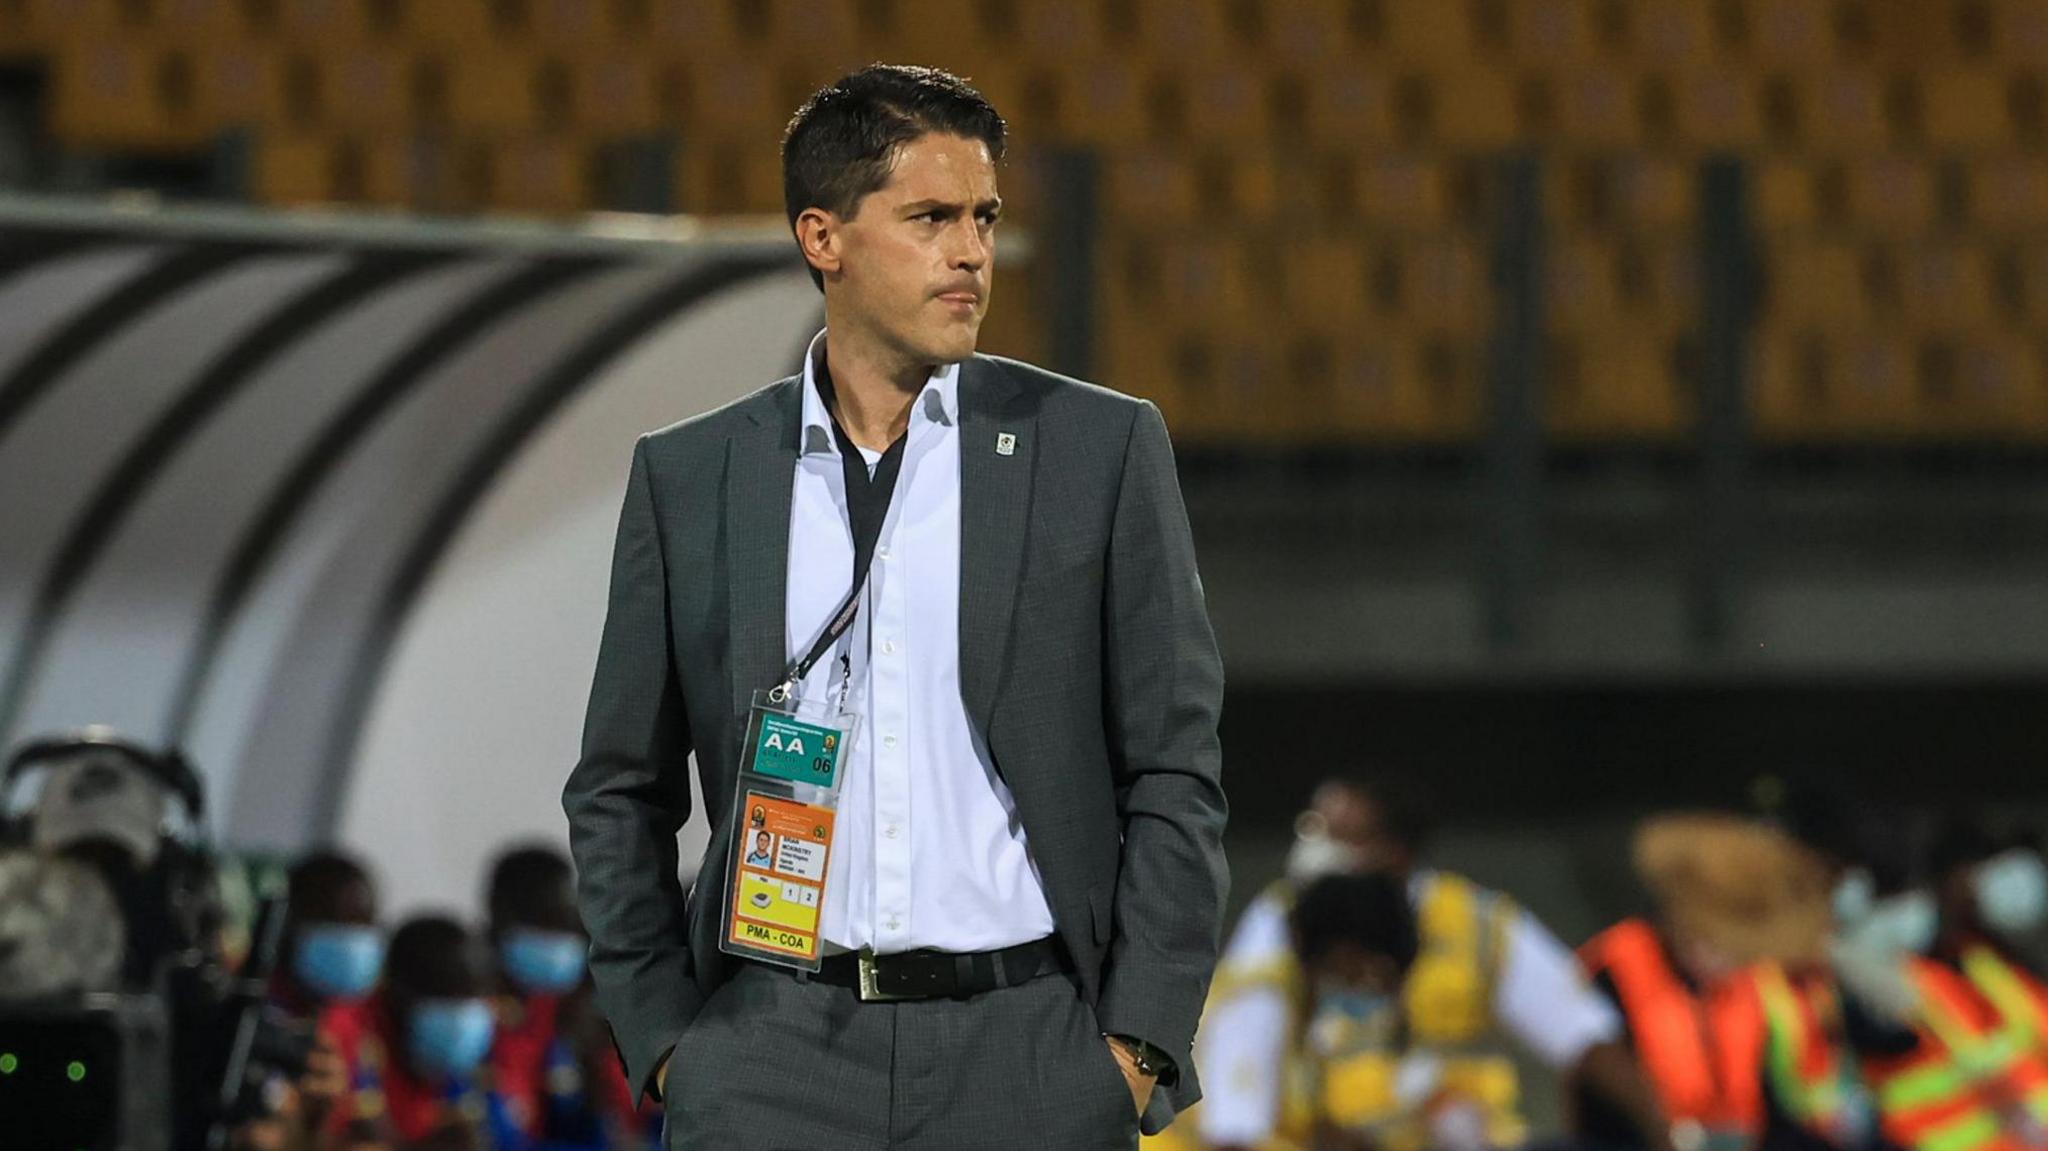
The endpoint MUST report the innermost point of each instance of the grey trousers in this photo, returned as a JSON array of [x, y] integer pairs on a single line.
[[775, 1064]]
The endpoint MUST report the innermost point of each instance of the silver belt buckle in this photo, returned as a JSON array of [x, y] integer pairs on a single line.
[[869, 993]]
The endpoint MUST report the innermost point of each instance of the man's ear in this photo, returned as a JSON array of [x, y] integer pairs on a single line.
[[818, 235]]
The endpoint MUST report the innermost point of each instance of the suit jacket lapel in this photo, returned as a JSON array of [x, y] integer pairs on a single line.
[[760, 475], [995, 505]]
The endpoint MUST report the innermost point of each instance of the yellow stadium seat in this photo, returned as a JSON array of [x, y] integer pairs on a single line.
[[297, 168], [1813, 386], [246, 84], [1982, 386], [1309, 33], [1347, 106], [1718, 109], [1811, 282], [1892, 193], [294, 170], [577, 25], [2009, 193], [1406, 387], [1150, 188], [1553, 33], [126, 94], [1594, 107], [734, 176], [622, 96], [1672, 34], [367, 88], [1781, 191], [1844, 109], [1947, 284], [1795, 34], [735, 96], [1447, 287], [1325, 281], [1618, 385], [1227, 101], [1397, 191], [1965, 108], [1060, 30], [464, 24], [1422, 31], [1580, 291], [1657, 192], [1209, 279], [545, 175], [208, 23], [332, 23], [1187, 29], [491, 89], [1473, 111], [49, 24], [1099, 101], [2021, 31]]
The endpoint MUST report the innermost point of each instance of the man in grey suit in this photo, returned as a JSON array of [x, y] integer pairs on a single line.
[[1026, 886]]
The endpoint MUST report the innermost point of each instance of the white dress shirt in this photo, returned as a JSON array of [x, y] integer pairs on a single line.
[[928, 850], [1540, 997]]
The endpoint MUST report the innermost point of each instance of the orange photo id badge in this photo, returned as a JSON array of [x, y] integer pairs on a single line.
[[778, 880]]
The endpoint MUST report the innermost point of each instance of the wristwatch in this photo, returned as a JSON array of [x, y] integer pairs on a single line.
[[1152, 1062]]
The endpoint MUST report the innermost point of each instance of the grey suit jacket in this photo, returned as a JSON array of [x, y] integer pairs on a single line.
[[1086, 661]]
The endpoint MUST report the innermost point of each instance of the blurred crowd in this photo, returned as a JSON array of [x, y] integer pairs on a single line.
[[437, 1033], [1815, 974]]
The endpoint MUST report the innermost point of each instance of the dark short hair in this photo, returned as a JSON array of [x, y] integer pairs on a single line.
[[433, 956], [1370, 911], [842, 143], [524, 877], [316, 882]]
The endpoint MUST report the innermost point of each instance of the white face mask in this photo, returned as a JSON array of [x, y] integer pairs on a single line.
[[1853, 897], [2012, 891], [1316, 854], [1896, 925]]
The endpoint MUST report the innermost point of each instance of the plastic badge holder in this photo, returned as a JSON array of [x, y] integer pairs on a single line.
[[783, 815]]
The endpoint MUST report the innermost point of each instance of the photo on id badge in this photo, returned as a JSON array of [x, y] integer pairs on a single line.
[[786, 811]]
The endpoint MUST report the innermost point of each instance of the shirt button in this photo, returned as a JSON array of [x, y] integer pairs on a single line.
[[888, 647], [882, 552], [892, 924], [889, 741], [890, 831]]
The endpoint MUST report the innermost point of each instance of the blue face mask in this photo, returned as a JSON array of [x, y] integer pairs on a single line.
[[543, 962], [1352, 1006], [2012, 891], [339, 960], [450, 1036]]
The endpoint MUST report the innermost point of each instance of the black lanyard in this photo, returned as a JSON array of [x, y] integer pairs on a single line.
[[867, 505]]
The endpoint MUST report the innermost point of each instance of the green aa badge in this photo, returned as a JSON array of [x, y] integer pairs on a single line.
[[797, 751]]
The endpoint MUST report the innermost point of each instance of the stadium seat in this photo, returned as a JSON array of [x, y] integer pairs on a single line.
[[1346, 106], [1188, 30], [1656, 193], [2009, 193], [490, 89], [1782, 194], [1447, 288], [1227, 101], [204, 23], [1843, 108], [1946, 284], [1152, 188], [1391, 190], [1809, 282], [1309, 33], [1718, 110], [732, 176], [1675, 35], [1410, 388], [332, 23], [1594, 107], [466, 24], [1813, 386], [246, 85], [1472, 111], [1097, 101], [49, 24], [1421, 32], [1325, 280], [1965, 108], [367, 88], [1794, 34], [2020, 31], [1893, 194], [1581, 291], [304, 169], [623, 96], [1616, 385], [1553, 33], [543, 175], [582, 27], [1061, 30], [128, 94]]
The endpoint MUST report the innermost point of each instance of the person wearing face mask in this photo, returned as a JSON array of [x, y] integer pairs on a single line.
[[1487, 970], [1882, 1046], [552, 1060], [432, 1026], [333, 958], [1728, 892]]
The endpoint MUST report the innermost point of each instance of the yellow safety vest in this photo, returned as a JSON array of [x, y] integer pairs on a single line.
[[1447, 1008]]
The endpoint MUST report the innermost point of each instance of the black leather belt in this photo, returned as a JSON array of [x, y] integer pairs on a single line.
[[942, 974]]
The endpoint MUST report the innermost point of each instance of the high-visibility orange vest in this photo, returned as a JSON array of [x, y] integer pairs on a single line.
[[1702, 1052], [1927, 1099], [1990, 1013]]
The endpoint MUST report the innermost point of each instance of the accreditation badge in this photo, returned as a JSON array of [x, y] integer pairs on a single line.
[[783, 817]]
